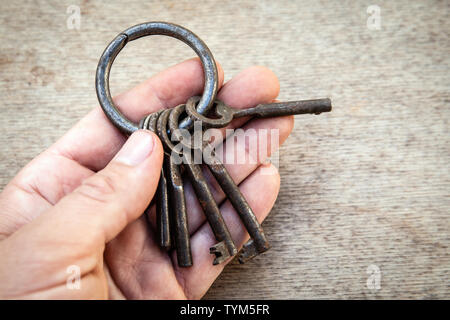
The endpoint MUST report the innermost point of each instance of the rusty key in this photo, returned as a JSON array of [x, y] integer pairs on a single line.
[[225, 248], [226, 114], [171, 206], [258, 242], [162, 195], [179, 217]]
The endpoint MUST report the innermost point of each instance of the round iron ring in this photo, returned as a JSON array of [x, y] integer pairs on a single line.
[[145, 29]]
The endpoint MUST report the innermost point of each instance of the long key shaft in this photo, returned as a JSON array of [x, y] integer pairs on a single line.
[[179, 220], [179, 216], [164, 236], [278, 109], [258, 243], [225, 114], [226, 247]]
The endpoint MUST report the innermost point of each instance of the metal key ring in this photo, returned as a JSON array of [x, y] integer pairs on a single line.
[[225, 112], [145, 29]]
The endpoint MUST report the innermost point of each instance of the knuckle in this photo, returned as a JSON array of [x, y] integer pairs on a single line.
[[99, 188]]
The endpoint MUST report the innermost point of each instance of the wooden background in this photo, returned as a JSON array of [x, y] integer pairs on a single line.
[[366, 185]]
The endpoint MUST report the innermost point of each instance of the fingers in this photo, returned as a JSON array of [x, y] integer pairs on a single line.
[[36, 188], [76, 229], [249, 148], [261, 190], [107, 201], [94, 140], [139, 267], [250, 87]]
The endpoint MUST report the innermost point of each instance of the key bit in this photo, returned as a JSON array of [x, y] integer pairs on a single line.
[[211, 210], [221, 252], [251, 249]]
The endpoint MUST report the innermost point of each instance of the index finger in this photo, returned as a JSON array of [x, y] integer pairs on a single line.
[[94, 140]]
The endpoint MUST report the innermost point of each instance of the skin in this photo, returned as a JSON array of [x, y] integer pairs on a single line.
[[81, 201]]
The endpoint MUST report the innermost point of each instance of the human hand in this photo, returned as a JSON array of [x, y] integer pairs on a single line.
[[80, 202]]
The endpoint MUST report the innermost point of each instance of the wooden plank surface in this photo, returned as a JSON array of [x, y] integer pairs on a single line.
[[366, 185]]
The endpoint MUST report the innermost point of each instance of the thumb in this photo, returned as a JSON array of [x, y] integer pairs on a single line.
[[105, 203]]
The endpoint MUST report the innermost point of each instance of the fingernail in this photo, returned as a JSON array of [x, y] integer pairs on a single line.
[[138, 147]]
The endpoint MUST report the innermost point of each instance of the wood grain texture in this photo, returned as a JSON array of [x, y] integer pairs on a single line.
[[367, 184]]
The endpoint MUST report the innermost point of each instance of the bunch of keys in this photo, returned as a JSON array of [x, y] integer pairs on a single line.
[[171, 211]]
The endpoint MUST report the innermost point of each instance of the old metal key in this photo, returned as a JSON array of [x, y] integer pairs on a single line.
[[258, 243], [127, 126], [162, 196], [225, 248], [226, 114], [172, 224], [179, 220]]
